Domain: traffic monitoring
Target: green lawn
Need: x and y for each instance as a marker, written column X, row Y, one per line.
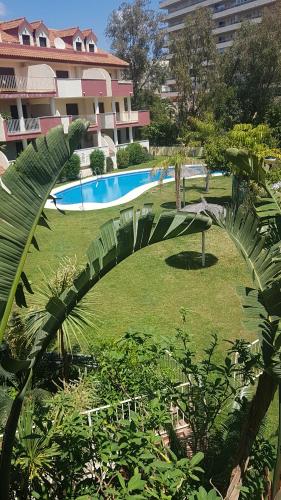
column 146, row 291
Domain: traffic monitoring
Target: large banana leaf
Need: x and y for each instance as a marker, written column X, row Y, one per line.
column 24, row 190
column 119, row 238
column 247, row 164
column 244, row 229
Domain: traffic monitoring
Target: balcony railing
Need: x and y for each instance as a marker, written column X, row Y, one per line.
column 12, row 83
column 90, row 118
column 127, row 117
column 23, row 126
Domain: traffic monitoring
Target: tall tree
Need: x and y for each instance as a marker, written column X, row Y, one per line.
column 136, row 36
column 193, row 63
column 251, row 68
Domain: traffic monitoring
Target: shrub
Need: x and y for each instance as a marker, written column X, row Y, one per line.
column 109, row 164
column 215, row 156
column 137, row 154
column 71, row 169
column 97, row 160
column 122, row 158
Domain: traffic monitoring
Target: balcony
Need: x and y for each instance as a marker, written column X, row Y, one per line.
column 127, row 117
column 24, row 126
column 92, row 119
column 24, row 85
column 106, row 120
column 122, row 88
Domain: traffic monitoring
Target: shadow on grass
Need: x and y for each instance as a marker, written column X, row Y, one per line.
column 190, row 260
column 217, row 200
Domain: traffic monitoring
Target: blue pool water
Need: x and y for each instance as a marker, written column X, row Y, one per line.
column 108, row 189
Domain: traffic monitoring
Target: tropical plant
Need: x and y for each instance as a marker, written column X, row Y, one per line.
column 119, row 238
column 97, row 161
column 122, row 158
column 262, row 315
column 24, row 190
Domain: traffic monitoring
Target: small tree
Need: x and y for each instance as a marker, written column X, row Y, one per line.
column 109, row 164
column 137, row 154
column 71, row 169
column 97, row 160
column 122, row 158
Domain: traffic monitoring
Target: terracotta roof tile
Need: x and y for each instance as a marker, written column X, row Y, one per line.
column 14, row 23
column 25, row 52
column 6, row 37
column 66, row 32
column 36, row 24
column 89, row 32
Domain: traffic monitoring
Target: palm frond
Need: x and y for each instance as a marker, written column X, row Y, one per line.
column 119, row 238
column 24, row 190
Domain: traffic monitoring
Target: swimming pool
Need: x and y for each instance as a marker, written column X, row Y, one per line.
column 111, row 190
column 108, row 190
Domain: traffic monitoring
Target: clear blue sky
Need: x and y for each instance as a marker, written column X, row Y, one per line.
column 66, row 13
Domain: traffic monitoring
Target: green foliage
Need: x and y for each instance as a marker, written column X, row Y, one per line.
column 193, row 64
column 109, row 164
column 137, row 154
column 71, row 169
column 250, row 70
column 122, row 158
column 29, row 182
column 164, row 133
column 130, row 367
column 97, row 161
column 257, row 480
column 136, row 36
column 215, row 153
column 273, row 118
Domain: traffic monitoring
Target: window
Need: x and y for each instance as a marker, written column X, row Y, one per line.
column 7, row 78
column 72, row 109
column 26, row 39
column 79, row 46
column 42, row 41
column 62, row 74
column 92, row 48
column 101, row 107
column 126, row 104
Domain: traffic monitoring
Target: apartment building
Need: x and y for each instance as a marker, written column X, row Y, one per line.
column 228, row 16
column 50, row 77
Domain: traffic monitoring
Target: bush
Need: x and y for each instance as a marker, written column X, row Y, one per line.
column 137, row 154
column 215, row 156
column 109, row 164
column 122, row 158
column 71, row 169
column 97, row 160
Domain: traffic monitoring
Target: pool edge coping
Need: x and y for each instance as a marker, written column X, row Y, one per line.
column 133, row 194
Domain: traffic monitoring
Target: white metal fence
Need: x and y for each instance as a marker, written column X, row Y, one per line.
column 16, row 126
column 13, row 83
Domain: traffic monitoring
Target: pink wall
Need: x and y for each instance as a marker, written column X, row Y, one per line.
column 121, row 89
column 144, row 118
column 49, row 122
column 94, row 88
